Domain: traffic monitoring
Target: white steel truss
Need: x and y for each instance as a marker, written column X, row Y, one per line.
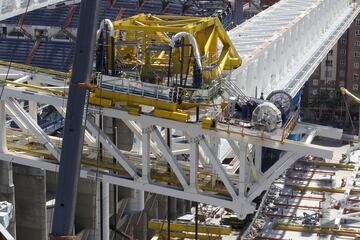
column 27, row 124
column 282, row 46
column 12, row 8
column 350, row 203
column 224, row 187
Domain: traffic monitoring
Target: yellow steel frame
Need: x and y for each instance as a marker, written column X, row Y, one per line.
column 164, row 109
column 328, row 164
column 190, row 227
column 177, row 235
column 145, row 29
column 348, row 232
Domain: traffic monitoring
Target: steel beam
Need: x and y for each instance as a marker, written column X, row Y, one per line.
column 286, row 145
column 89, row 139
column 116, row 180
column 277, row 169
column 170, row 158
column 11, row 8
column 108, row 144
column 194, row 163
column 28, row 124
column 215, row 162
column 282, row 46
column 145, row 140
column 4, row 234
column 76, row 113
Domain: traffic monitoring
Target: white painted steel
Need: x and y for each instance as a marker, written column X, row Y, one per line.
column 5, row 234
column 146, row 128
column 190, row 128
column 27, row 124
column 282, row 46
column 12, row 8
column 111, row 147
column 349, row 200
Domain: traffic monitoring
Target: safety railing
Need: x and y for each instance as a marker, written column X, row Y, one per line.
column 161, row 92
column 242, row 127
column 35, row 87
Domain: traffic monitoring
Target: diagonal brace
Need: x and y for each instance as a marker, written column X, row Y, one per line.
column 218, row 168
column 110, row 146
column 28, row 124
column 175, row 166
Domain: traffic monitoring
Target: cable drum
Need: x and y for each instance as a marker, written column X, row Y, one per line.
column 266, row 117
column 282, row 100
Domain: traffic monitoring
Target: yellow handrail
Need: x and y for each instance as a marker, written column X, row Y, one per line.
column 36, row 69
column 344, row 91
column 46, row 89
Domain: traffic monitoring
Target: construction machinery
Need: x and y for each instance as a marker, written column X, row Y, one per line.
column 213, row 90
column 176, row 63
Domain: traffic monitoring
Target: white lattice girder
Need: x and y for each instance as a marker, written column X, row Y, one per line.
column 282, row 46
column 196, row 129
column 12, row 8
column 27, row 124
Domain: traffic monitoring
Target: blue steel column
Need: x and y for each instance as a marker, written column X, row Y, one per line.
column 76, row 110
column 239, row 12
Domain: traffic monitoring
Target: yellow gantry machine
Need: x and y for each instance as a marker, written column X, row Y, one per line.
column 179, row 59
column 157, row 37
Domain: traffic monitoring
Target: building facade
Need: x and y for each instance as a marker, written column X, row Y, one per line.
column 322, row 100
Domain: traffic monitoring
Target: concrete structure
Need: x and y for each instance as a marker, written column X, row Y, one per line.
column 31, row 217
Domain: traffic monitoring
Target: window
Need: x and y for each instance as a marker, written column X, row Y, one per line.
column 356, row 65
column 355, row 87
column 328, row 74
column 343, row 52
column 357, row 21
column 314, row 92
column 341, row 84
column 343, row 41
column 317, row 71
column 329, row 63
column 357, row 43
column 342, row 73
column 315, row 82
column 342, row 62
column 357, row 33
column 356, row 77
column 331, row 52
column 356, row 54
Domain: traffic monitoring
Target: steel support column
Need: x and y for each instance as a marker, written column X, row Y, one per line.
column 239, row 12
column 194, row 164
column 146, row 155
column 75, row 120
